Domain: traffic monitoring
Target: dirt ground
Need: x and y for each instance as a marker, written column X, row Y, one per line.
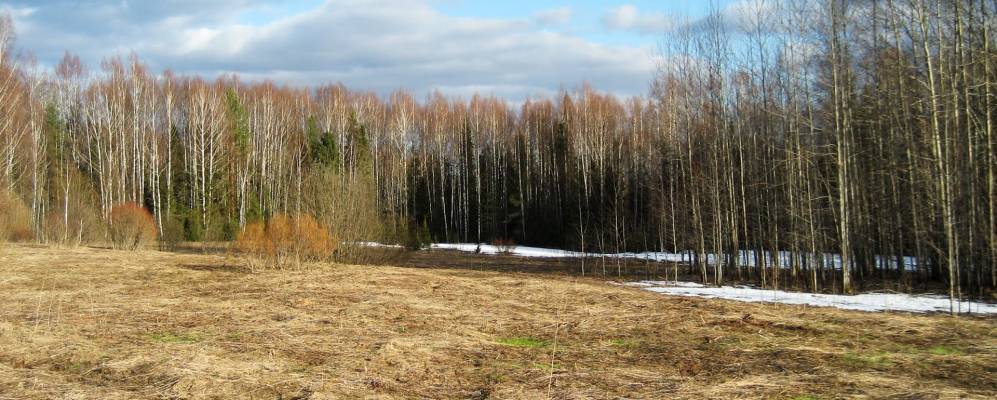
column 102, row 324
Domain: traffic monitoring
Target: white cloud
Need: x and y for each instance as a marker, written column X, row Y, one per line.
column 738, row 16
column 378, row 45
column 629, row 18
column 555, row 16
column 17, row 12
column 750, row 15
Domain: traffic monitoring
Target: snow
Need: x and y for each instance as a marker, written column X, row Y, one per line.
column 861, row 302
column 521, row 251
column 377, row 244
column 651, row 284
column 744, row 258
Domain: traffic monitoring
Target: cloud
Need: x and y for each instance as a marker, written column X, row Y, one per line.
column 378, row 45
column 17, row 12
column 750, row 15
column 739, row 16
column 555, row 16
column 629, row 18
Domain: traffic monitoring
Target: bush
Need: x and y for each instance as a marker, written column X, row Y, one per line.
column 173, row 234
column 285, row 240
column 230, row 229
column 132, row 226
column 345, row 205
column 417, row 237
column 192, row 229
column 81, row 225
column 73, row 217
column 15, row 219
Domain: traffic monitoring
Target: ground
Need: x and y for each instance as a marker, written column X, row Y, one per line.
column 92, row 323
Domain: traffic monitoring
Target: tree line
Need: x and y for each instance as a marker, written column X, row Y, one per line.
column 821, row 145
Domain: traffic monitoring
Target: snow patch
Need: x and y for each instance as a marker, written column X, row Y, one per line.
column 650, row 284
column 744, row 258
column 377, row 244
column 521, row 251
column 860, row 302
column 747, row 258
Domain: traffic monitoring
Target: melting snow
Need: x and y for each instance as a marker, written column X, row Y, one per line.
column 521, row 251
column 862, row 302
column 745, row 258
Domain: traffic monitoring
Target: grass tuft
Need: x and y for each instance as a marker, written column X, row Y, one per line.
column 876, row 361
column 524, row 342
column 176, row 338
column 946, row 351
column 628, row 343
column 546, row 367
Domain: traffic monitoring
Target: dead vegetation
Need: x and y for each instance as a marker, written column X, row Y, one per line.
column 131, row 226
column 93, row 323
column 15, row 218
column 284, row 241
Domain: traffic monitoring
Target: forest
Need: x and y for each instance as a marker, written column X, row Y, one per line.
column 835, row 143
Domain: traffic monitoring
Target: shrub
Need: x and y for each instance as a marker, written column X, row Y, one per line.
column 132, row 226
column 314, row 241
column 73, row 217
column 81, row 225
column 504, row 245
column 253, row 238
column 15, row 219
column 417, row 236
column 173, row 234
column 230, row 229
column 192, row 229
column 345, row 205
column 285, row 240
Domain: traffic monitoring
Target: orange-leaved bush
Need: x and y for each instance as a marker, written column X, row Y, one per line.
column 132, row 226
column 284, row 240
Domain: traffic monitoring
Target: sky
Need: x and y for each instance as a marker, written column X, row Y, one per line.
column 513, row 48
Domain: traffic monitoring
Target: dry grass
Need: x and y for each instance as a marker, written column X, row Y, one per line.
column 92, row 323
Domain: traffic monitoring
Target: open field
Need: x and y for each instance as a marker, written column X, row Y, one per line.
column 94, row 323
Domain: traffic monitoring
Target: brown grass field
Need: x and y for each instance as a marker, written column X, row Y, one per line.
column 102, row 324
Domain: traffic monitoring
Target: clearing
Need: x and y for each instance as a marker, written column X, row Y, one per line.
column 95, row 323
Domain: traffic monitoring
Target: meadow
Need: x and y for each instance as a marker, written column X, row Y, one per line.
column 95, row 323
